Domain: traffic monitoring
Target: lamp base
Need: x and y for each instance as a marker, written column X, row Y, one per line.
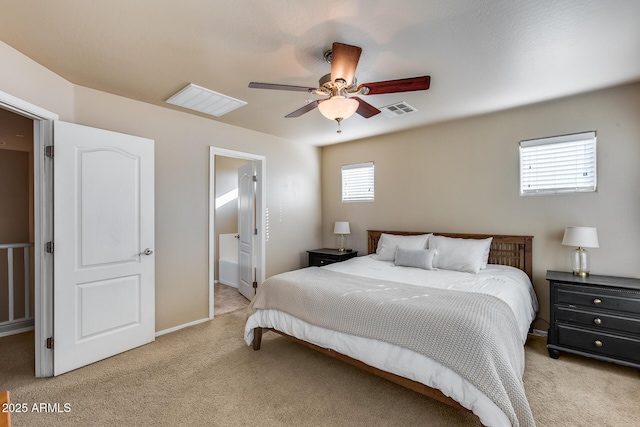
column 580, row 262
column 342, row 242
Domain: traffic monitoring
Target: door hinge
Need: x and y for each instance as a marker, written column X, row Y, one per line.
column 255, row 178
column 49, row 343
column 255, row 285
column 48, row 247
column 255, row 231
column 48, row 151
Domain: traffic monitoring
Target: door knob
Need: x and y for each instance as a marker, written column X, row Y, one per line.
column 147, row 252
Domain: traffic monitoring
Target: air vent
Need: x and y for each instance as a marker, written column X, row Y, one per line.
column 397, row 109
column 205, row 101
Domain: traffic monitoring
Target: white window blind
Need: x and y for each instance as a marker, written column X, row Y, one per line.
column 559, row 164
column 358, row 182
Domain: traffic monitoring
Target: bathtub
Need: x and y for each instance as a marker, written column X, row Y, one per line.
column 228, row 272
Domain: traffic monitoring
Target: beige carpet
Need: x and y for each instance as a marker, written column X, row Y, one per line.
column 206, row 376
column 227, row 298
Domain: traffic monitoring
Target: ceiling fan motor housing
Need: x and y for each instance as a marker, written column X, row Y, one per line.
column 339, row 87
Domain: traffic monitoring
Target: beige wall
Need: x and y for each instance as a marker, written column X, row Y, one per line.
column 14, row 196
column 31, row 82
column 182, row 181
column 463, row 176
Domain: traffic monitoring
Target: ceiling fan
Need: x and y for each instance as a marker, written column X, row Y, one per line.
column 342, row 89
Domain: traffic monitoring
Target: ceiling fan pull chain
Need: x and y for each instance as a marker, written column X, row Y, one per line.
column 339, row 120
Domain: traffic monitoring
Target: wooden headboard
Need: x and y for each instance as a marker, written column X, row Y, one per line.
column 514, row 251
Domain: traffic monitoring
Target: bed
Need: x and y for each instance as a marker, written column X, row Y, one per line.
column 443, row 314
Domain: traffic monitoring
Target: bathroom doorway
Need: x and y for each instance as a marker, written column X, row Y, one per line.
column 225, row 266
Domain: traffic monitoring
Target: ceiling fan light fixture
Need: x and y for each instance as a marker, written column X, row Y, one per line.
column 338, row 107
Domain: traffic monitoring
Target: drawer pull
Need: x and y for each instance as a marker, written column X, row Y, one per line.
column 597, row 321
column 597, row 301
column 598, row 343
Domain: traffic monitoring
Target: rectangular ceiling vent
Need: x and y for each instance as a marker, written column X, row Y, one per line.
column 397, row 109
column 205, row 101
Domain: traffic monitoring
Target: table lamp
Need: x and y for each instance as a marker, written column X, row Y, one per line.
column 341, row 228
column 581, row 237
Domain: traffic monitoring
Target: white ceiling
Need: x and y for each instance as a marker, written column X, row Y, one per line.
column 482, row 55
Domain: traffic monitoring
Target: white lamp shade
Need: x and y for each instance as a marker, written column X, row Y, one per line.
column 338, row 107
column 584, row 237
column 341, row 227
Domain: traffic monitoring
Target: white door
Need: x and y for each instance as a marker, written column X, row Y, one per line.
column 104, row 285
column 246, row 228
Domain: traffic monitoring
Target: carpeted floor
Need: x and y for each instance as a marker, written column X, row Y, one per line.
column 227, row 298
column 205, row 375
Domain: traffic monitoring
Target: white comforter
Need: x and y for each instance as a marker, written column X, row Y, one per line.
column 507, row 283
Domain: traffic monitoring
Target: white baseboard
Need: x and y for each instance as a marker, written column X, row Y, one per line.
column 177, row 328
column 539, row 333
column 16, row 327
column 16, row 331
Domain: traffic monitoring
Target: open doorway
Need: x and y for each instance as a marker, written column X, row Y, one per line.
column 17, row 349
column 16, row 224
column 27, row 128
column 228, row 269
column 227, row 273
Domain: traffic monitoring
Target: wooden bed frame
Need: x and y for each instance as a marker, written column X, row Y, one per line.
column 514, row 251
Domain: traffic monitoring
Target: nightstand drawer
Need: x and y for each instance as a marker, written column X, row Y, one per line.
column 586, row 297
column 598, row 320
column 622, row 347
column 316, row 261
column 326, row 256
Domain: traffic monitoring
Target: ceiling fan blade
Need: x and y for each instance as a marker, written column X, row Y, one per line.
column 365, row 109
column 256, row 85
column 300, row 111
column 344, row 60
column 400, row 85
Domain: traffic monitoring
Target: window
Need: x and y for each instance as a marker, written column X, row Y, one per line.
column 559, row 164
column 358, row 182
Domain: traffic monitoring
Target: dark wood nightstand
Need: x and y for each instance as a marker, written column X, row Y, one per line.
column 325, row 256
column 595, row 316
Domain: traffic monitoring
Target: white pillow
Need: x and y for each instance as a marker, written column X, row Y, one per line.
column 418, row 258
column 387, row 244
column 469, row 255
